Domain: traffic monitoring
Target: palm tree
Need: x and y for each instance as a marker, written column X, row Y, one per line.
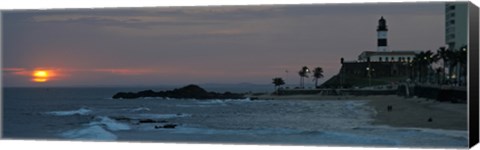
column 453, row 60
column 439, row 72
column 317, row 74
column 442, row 54
column 418, row 62
column 303, row 73
column 423, row 61
column 433, row 58
column 462, row 60
column 278, row 82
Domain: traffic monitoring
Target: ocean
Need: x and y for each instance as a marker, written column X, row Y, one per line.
column 89, row 114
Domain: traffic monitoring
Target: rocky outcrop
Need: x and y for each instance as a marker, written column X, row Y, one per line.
column 167, row 126
column 187, row 92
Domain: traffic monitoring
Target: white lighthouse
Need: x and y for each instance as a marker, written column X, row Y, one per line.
column 382, row 35
column 383, row 54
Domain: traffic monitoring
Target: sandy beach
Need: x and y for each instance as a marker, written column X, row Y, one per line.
column 405, row 112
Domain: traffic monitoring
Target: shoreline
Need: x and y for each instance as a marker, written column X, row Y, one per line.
column 405, row 112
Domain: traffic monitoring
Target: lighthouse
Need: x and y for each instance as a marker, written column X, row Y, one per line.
column 382, row 35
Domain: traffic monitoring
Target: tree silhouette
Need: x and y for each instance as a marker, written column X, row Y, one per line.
column 278, row 82
column 317, row 74
column 439, row 71
column 422, row 62
column 303, row 73
column 462, row 61
column 454, row 60
column 442, row 54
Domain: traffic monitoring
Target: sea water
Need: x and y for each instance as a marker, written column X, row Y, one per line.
column 89, row 114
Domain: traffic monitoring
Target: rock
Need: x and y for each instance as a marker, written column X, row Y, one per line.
column 167, row 126
column 188, row 92
column 151, row 121
column 147, row 121
column 121, row 118
column 125, row 95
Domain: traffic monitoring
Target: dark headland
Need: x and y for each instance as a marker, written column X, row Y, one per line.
column 187, row 92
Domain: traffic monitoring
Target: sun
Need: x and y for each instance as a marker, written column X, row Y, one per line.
column 40, row 79
column 41, row 75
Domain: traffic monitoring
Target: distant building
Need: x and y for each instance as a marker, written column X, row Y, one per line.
column 382, row 35
column 383, row 54
column 383, row 63
column 456, row 24
column 393, row 56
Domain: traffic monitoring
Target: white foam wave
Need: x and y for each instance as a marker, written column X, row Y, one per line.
column 89, row 133
column 353, row 139
column 110, row 124
column 161, row 116
column 440, row 132
column 185, row 129
column 222, row 101
column 140, row 109
column 81, row 111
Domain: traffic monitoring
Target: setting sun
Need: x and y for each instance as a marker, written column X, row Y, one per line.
column 41, row 75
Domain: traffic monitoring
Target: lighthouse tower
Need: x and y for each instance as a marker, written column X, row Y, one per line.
column 382, row 35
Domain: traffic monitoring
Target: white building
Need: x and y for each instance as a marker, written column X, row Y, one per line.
column 456, row 33
column 383, row 54
column 456, row 24
column 393, row 56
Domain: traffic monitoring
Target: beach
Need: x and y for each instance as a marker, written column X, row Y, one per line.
column 405, row 112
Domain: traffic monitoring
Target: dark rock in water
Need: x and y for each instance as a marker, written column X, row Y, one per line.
column 126, row 95
column 167, row 126
column 188, row 92
column 430, row 119
column 121, row 118
column 151, row 121
column 147, row 121
column 170, row 126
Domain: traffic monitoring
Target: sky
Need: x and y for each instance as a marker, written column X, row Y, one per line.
column 217, row 44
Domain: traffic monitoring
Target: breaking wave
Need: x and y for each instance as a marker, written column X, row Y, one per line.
column 140, row 109
column 160, row 116
column 110, row 124
column 90, row 133
column 81, row 111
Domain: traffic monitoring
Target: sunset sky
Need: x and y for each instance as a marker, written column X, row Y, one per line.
column 182, row 45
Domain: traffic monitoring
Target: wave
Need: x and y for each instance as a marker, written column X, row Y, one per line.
column 344, row 138
column 98, row 129
column 405, row 130
column 217, row 102
column 81, row 111
column 110, row 124
column 90, row 133
column 140, row 109
column 160, row 116
column 185, row 129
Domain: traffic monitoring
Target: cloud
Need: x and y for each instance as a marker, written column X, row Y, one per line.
column 184, row 32
column 68, row 71
column 17, row 71
column 124, row 71
column 236, row 31
column 208, row 10
column 103, row 18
